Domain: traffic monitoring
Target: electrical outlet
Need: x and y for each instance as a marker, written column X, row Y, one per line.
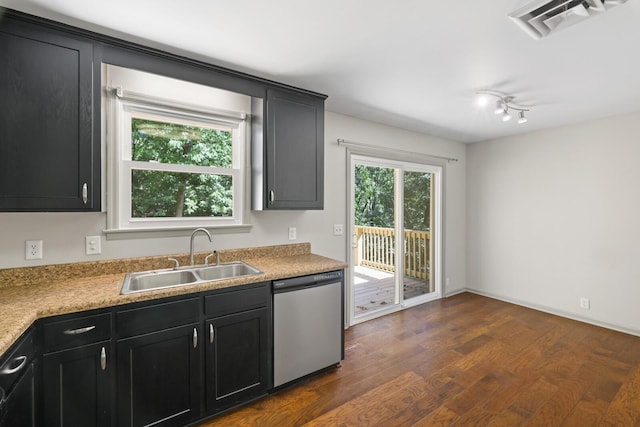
column 33, row 249
column 292, row 233
column 584, row 303
column 338, row 230
column 92, row 245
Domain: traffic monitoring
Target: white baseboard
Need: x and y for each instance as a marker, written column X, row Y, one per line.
column 550, row 310
column 456, row 292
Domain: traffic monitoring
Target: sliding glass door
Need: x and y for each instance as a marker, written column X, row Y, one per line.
column 417, row 233
column 394, row 228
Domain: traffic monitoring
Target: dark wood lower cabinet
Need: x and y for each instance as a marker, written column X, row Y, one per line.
column 159, row 376
column 20, row 407
column 77, row 385
column 167, row 362
column 237, row 358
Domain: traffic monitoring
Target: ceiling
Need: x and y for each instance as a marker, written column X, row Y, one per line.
column 414, row 64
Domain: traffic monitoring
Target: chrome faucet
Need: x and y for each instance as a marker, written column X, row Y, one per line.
column 191, row 260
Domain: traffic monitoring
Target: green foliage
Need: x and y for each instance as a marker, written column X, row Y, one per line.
column 374, row 198
column 176, row 194
column 417, row 200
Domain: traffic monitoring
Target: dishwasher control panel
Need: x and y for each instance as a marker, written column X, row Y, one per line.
column 310, row 280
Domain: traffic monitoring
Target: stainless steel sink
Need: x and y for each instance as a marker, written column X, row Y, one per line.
column 225, row 271
column 162, row 279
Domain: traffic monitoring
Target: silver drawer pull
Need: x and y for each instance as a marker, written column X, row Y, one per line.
column 272, row 196
column 212, row 333
column 21, row 360
column 79, row 330
column 195, row 337
column 84, row 193
column 103, row 359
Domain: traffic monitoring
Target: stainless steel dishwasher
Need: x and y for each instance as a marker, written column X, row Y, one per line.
column 308, row 325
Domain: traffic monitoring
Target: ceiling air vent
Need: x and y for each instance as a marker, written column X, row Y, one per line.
column 543, row 17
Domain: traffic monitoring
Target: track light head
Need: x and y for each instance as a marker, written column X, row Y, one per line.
column 500, row 106
column 521, row 118
column 505, row 115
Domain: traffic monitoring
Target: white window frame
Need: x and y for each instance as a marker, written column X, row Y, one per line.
column 122, row 107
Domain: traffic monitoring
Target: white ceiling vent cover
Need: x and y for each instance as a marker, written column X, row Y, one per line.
column 543, row 17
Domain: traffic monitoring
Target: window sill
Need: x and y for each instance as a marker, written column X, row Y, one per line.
column 141, row 233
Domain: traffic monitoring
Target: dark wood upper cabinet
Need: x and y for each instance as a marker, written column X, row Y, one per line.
column 47, row 153
column 289, row 170
column 50, row 114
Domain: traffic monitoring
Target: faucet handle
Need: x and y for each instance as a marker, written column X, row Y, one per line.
column 206, row 260
column 177, row 264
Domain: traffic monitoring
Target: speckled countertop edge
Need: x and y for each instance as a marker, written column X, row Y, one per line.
column 22, row 305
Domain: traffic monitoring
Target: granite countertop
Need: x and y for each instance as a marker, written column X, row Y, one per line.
column 31, row 293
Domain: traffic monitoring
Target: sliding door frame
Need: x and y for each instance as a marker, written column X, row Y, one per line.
column 403, row 163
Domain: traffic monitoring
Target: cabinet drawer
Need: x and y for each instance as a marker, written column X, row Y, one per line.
column 237, row 300
column 17, row 361
column 76, row 332
column 157, row 316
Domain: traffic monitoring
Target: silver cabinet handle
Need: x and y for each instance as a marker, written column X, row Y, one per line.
column 212, row 333
column 103, row 359
column 79, row 330
column 84, row 193
column 195, row 337
column 22, row 360
column 272, row 196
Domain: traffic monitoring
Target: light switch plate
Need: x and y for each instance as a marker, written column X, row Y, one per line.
column 292, row 233
column 93, row 245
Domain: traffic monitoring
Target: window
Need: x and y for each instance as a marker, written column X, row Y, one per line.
column 173, row 164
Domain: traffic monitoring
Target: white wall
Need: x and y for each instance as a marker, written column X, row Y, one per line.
column 555, row 215
column 64, row 233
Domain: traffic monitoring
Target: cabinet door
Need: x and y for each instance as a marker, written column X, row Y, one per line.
column 159, row 377
column 77, row 386
column 46, row 147
column 294, row 154
column 21, row 402
column 237, row 358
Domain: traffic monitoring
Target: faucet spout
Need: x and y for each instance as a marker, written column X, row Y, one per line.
column 193, row 235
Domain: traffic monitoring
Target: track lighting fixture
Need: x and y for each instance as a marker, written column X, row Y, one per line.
column 504, row 104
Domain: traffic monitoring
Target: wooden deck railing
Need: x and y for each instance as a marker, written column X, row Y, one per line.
column 376, row 249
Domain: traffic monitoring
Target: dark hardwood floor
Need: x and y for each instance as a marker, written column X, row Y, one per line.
column 466, row 360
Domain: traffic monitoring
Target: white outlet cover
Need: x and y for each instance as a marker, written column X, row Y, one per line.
column 33, row 249
column 292, row 233
column 338, row 230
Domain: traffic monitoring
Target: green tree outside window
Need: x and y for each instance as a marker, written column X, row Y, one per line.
column 180, row 194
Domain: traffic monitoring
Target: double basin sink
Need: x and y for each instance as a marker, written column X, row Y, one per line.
column 169, row 278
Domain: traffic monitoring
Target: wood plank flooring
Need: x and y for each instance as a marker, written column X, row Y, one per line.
column 466, row 360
